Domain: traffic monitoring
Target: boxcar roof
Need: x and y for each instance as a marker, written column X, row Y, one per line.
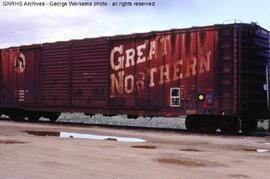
column 137, row 35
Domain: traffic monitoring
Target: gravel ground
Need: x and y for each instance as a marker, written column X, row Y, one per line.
column 176, row 123
column 35, row 151
column 123, row 120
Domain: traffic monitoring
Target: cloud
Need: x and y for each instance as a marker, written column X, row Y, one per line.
column 28, row 25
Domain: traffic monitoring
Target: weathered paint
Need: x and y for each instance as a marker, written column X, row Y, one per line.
column 20, row 76
column 141, row 74
column 75, row 73
column 144, row 70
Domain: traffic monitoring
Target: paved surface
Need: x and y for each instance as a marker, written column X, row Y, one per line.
column 164, row 155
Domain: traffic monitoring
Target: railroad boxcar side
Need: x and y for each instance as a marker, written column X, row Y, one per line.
column 214, row 75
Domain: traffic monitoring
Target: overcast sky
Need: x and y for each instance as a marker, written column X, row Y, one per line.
column 28, row 25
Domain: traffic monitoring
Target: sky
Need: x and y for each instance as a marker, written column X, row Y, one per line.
column 22, row 25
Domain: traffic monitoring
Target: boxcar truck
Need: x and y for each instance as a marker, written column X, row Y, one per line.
column 217, row 76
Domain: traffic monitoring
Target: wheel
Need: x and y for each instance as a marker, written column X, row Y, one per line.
column 209, row 124
column 229, row 125
column 33, row 116
column 54, row 116
column 13, row 116
column 192, row 124
column 16, row 116
column 248, row 125
column 201, row 123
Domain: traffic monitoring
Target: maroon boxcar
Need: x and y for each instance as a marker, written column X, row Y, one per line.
column 215, row 75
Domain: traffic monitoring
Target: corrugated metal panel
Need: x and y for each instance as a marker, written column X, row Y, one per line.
column 75, row 73
column 90, row 73
column 55, row 74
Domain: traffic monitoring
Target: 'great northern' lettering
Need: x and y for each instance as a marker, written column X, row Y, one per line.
column 165, row 63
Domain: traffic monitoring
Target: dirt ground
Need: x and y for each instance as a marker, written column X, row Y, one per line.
column 164, row 155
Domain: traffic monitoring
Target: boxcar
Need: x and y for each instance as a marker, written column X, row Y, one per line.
column 215, row 75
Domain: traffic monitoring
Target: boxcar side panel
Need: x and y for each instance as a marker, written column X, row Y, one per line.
column 55, row 79
column 28, row 80
column 4, row 98
column 144, row 72
column 206, row 74
column 89, row 71
column 20, row 76
column 9, row 98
